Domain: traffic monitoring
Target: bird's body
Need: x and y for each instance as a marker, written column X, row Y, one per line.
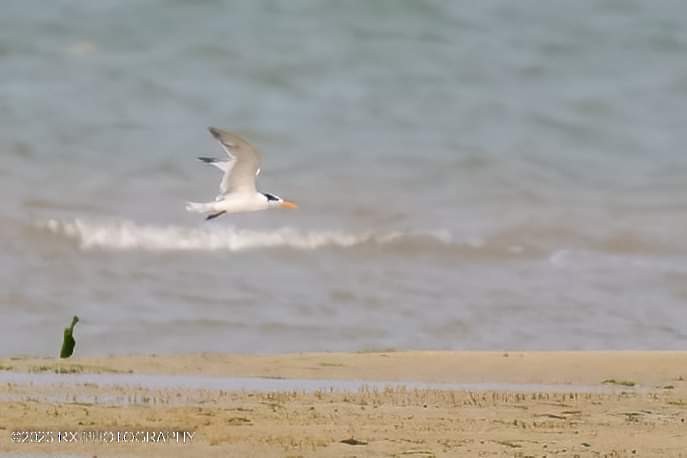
column 238, row 192
column 231, row 203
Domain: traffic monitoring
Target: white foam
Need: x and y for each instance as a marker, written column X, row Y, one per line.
column 127, row 235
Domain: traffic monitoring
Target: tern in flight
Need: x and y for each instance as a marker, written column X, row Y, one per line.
column 237, row 188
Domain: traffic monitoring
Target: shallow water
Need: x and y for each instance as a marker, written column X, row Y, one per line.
column 258, row 384
column 470, row 176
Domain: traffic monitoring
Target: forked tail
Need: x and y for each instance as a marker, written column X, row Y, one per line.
column 196, row 207
column 210, row 207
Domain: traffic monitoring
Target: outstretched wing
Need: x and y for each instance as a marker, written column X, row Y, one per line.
column 243, row 166
column 220, row 164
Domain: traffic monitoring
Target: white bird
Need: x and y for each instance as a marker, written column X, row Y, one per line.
column 237, row 188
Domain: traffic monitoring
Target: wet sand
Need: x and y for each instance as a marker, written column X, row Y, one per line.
column 640, row 410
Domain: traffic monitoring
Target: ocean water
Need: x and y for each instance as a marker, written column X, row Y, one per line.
column 471, row 175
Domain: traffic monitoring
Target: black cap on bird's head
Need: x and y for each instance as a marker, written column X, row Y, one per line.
column 274, row 200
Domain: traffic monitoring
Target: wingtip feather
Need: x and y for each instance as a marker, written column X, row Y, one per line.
column 215, row 132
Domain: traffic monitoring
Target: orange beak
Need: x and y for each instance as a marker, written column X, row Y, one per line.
column 288, row 204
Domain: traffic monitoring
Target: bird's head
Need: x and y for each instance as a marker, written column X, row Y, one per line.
column 274, row 201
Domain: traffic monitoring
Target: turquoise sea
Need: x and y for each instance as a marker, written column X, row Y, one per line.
column 471, row 175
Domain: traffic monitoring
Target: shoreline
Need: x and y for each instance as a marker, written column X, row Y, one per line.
column 453, row 367
column 581, row 403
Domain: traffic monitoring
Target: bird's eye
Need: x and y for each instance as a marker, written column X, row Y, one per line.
column 271, row 197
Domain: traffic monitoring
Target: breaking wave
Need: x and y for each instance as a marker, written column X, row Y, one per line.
column 127, row 235
column 551, row 243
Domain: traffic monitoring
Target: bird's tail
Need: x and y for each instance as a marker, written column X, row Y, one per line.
column 210, row 207
column 196, row 207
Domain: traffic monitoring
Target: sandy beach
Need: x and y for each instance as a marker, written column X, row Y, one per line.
column 549, row 404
